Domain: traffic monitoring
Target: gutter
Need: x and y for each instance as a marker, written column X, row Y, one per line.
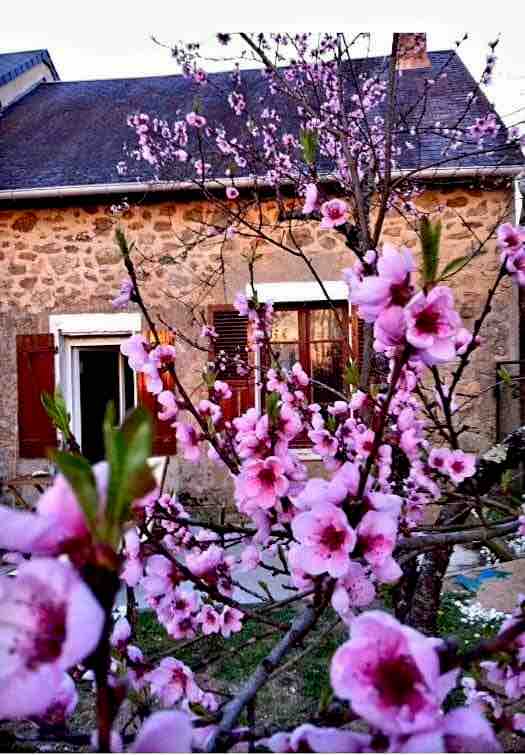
column 145, row 187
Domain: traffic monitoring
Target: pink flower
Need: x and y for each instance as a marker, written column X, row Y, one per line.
column 231, row 192
column 310, row 199
column 463, row 340
column 390, row 329
column 210, row 620
column 230, row 621
column 250, row 558
column 125, row 294
column 240, row 303
column 164, row 731
column 376, row 536
column 221, row 390
column 193, row 119
column 208, row 332
column 511, row 238
column 326, row 540
column 263, row 481
column 334, row 212
column 189, row 440
column 515, row 266
column 310, row 738
column 209, row 409
column 353, row 590
column 133, row 569
column 390, row 674
column 62, row 706
column 49, row 622
column 391, row 288
column 432, row 324
column 460, row 465
column 120, row 634
column 438, row 458
column 172, row 681
column 161, row 576
column 170, row 409
column 324, row 443
column 136, row 349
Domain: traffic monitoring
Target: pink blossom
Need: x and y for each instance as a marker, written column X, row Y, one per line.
column 136, row 349
column 62, row 706
column 49, row 622
column 334, row 213
column 169, row 403
column 354, row 590
column 221, row 390
column 390, row 329
column 230, row 621
column 310, row 199
column 432, row 324
column 515, row 266
column 390, row 288
column 324, row 443
column 310, row 738
column 438, row 459
column 208, row 331
column 210, row 620
column 250, row 558
column 263, row 481
column 161, row 576
column 172, row 681
column 209, row 409
column 193, row 119
column 511, row 238
column 326, row 539
column 463, row 340
column 376, row 536
column 240, row 303
column 460, row 465
column 125, row 294
column 231, row 192
column 120, row 634
column 133, row 569
column 189, row 440
column 390, row 674
column 164, row 731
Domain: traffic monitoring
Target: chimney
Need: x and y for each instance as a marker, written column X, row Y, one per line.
column 412, row 51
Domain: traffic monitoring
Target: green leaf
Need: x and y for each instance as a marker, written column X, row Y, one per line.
column 309, row 142
column 127, row 451
column 351, row 374
column 454, row 266
column 56, row 409
column 430, row 240
column 272, row 405
column 79, row 474
column 506, row 480
column 505, row 376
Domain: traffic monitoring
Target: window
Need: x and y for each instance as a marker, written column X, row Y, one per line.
column 316, row 335
column 99, row 374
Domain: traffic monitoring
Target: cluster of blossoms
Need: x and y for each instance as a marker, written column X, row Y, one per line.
column 511, row 241
column 148, row 359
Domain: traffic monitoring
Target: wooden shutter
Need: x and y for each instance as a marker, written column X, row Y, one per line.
column 36, row 373
column 357, row 338
column 232, row 330
column 164, row 441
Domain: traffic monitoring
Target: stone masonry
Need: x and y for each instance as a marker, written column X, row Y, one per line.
column 63, row 259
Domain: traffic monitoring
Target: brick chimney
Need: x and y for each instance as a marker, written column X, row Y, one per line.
column 412, row 51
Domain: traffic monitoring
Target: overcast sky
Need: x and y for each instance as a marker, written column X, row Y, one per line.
column 112, row 38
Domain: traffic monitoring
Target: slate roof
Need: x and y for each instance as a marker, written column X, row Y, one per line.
column 12, row 64
column 73, row 133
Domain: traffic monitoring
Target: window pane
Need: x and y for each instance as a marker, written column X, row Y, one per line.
column 99, row 384
column 287, row 354
column 324, row 325
column 285, row 325
column 327, row 368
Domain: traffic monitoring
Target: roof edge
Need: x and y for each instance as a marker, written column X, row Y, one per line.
column 135, row 187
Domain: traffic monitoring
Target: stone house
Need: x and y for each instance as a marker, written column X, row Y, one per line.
column 60, row 143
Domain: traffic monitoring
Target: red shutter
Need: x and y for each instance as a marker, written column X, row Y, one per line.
column 36, row 373
column 232, row 330
column 164, row 441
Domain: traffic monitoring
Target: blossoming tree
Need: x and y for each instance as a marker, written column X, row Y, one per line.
column 341, row 538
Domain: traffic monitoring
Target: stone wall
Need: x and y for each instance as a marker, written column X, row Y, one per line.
column 64, row 259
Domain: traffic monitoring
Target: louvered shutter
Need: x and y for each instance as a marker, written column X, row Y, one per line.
column 232, row 330
column 164, row 441
column 36, row 373
column 357, row 338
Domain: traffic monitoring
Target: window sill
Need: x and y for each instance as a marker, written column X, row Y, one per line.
column 306, row 454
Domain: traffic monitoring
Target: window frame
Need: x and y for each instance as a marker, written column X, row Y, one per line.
column 287, row 294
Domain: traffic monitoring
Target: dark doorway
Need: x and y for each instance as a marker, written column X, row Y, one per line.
column 99, row 384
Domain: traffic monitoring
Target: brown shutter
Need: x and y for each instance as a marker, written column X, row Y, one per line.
column 164, row 440
column 232, row 330
column 36, row 373
column 357, row 338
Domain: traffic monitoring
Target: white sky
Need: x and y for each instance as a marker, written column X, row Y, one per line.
column 92, row 39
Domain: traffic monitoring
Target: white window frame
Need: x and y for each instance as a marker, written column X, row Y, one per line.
column 92, row 329
column 288, row 293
